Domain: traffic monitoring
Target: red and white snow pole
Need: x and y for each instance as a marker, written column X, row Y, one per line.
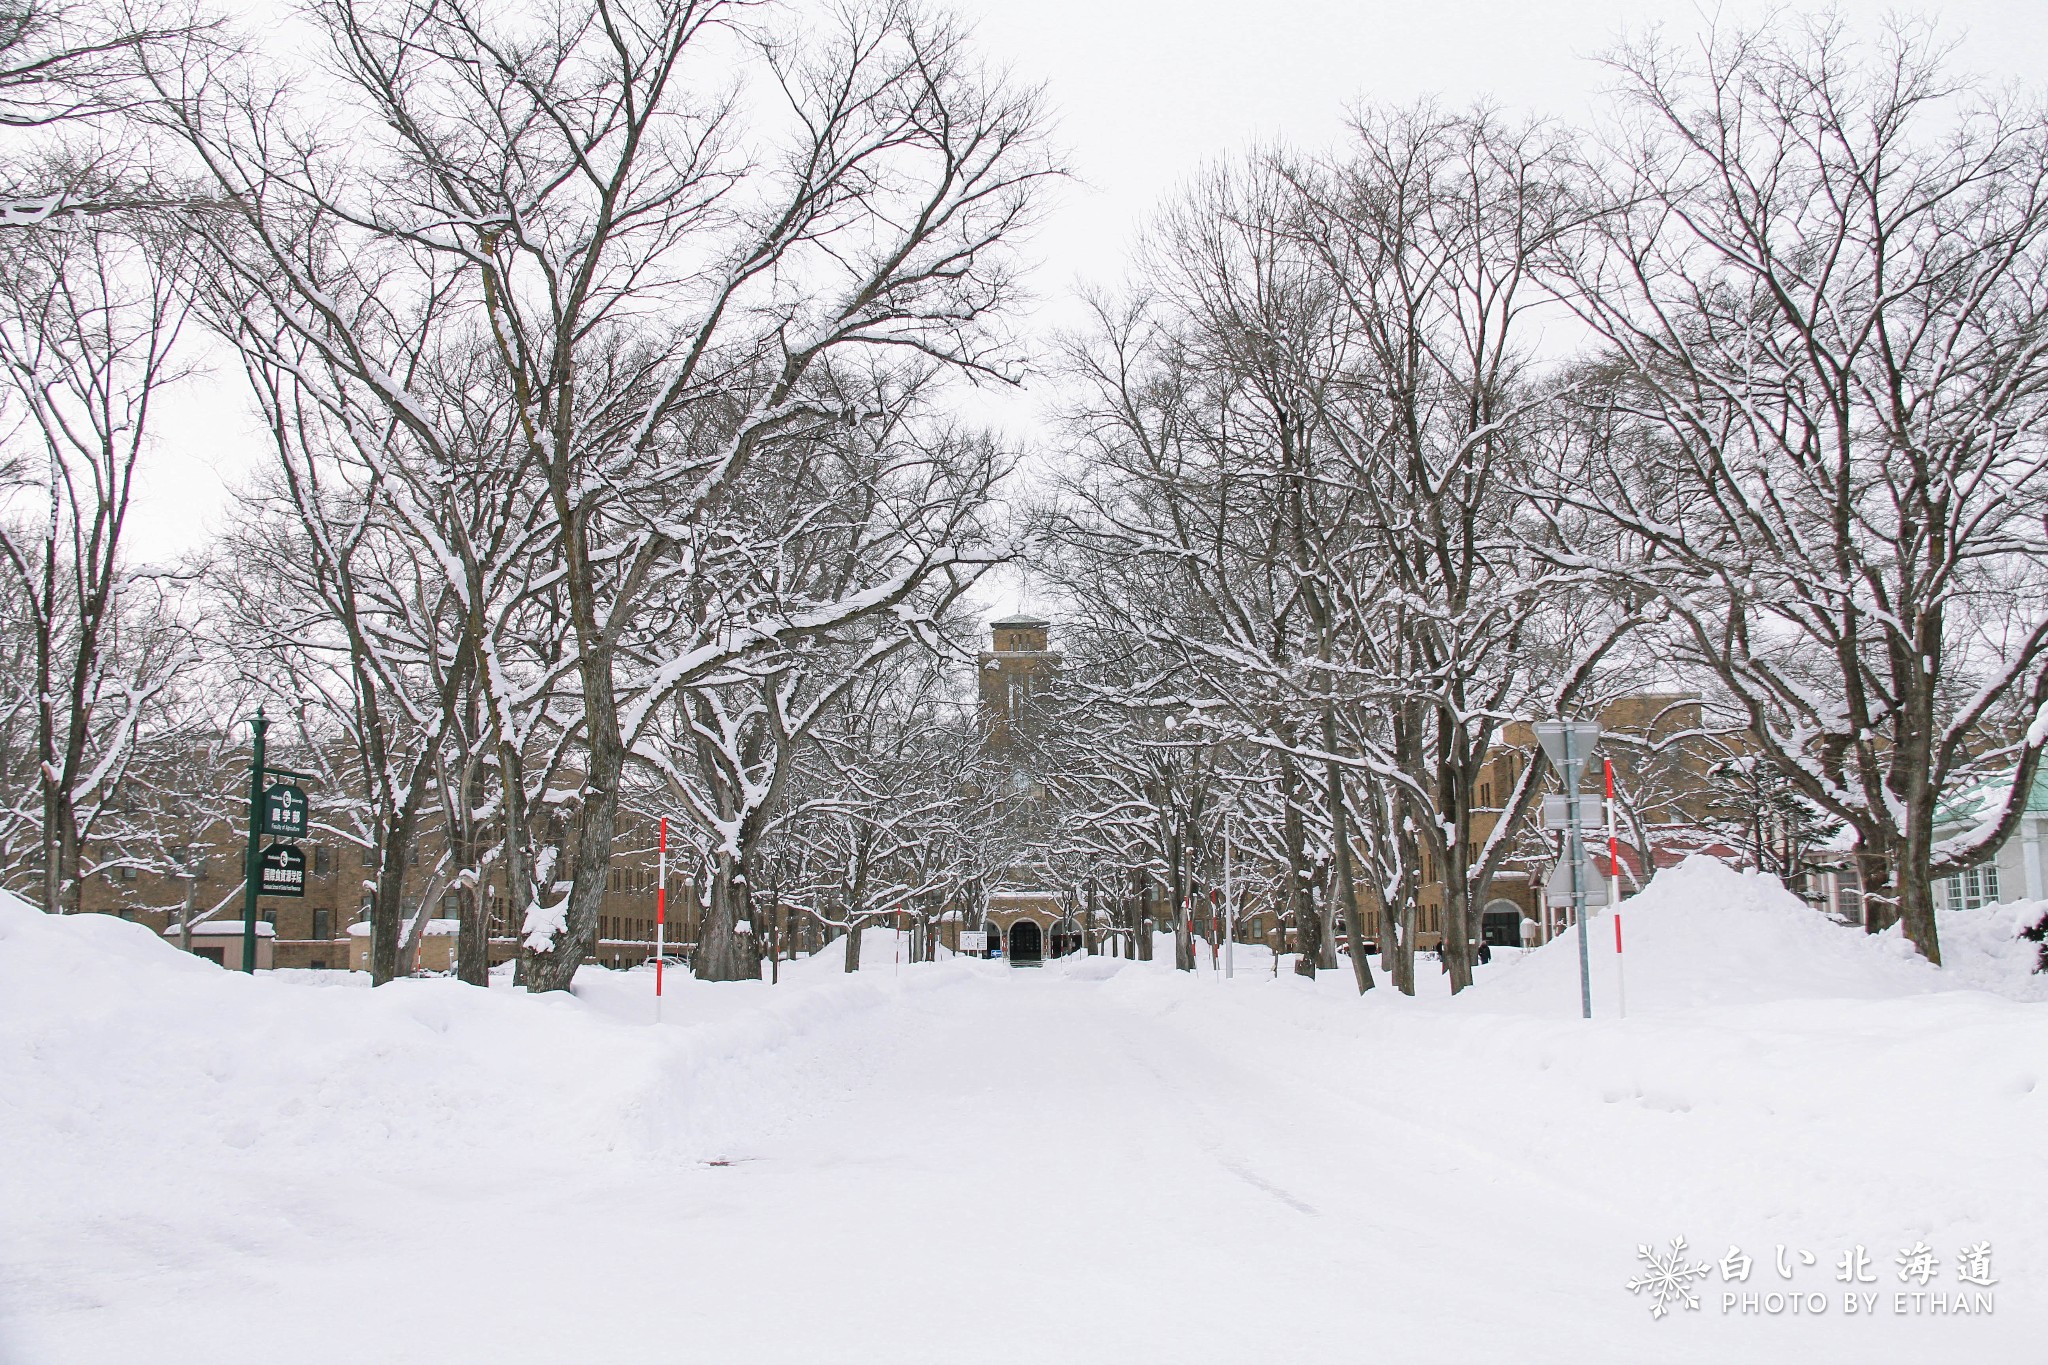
column 1614, row 895
column 660, row 914
column 1620, row 981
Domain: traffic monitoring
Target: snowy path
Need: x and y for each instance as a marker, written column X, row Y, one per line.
column 969, row 1164
column 1003, row 1167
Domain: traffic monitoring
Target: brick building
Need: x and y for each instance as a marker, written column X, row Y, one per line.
column 316, row 931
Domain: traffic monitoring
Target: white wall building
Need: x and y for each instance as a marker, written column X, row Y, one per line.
column 2019, row 870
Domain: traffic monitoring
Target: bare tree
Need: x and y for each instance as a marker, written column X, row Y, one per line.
column 1429, row 228
column 1197, row 469
column 1822, row 279
column 663, row 284
column 89, row 318
column 881, row 525
column 62, row 60
column 336, row 618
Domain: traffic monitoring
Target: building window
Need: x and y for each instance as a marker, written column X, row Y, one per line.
column 318, row 964
column 322, row 928
column 1972, row 887
column 321, row 865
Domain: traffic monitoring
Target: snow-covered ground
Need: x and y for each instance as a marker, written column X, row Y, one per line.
column 964, row 1163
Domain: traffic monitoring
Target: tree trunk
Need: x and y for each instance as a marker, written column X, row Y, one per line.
column 1915, row 876
column 519, row 891
column 1347, row 885
column 1326, row 925
column 553, row 967
column 1141, row 923
column 853, row 945
column 473, row 942
column 1457, row 941
column 724, row 951
column 387, row 905
column 1874, row 891
column 409, row 950
column 473, row 930
column 1307, row 928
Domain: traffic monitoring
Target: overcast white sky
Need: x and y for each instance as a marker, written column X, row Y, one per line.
column 1148, row 91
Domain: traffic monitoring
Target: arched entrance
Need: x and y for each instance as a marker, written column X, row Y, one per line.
column 1501, row 924
column 1066, row 937
column 995, row 937
column 1025, row 947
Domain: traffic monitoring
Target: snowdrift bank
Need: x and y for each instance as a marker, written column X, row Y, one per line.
column 160, row 1111
column 966, row 1162
column 1703, row 934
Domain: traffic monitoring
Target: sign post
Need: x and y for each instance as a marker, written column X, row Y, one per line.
column 252, row 867
column 1569, row 743
column 281, row 809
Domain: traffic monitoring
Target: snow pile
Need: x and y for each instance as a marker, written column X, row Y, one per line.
column 369, row 1078
column 1983, row 949
column 168, row 1102
column 429, row 1171
column 1704, row 934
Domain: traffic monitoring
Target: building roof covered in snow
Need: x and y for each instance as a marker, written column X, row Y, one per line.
column 222, row 926
column 1982, row 800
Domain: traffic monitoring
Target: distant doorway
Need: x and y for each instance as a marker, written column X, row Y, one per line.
column 1025, row 946
column 1066, row 938
column 1501, row 924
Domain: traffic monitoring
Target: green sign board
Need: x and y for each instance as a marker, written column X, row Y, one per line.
column 282, row 871
column 285, row 811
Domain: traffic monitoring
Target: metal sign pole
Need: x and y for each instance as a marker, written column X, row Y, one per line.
column 252, row 869
column 1577, row 853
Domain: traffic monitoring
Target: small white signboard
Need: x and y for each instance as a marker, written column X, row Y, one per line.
column 975, row 941
column 1559, row 889
column 1557, row 811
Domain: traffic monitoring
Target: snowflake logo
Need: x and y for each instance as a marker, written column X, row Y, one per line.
column 1667, row 1278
